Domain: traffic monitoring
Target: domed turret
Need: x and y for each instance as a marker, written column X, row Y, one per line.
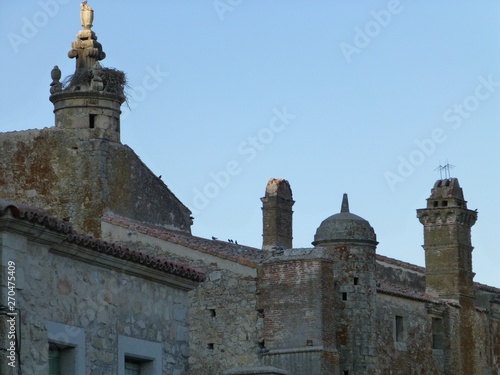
column 343, row 227
column 351, row 243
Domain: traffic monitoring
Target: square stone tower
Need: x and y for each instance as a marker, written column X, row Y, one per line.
column 79, row 170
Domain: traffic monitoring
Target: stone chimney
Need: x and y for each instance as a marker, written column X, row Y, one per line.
column 277, row 215
column 447, row 241
column 89, row 103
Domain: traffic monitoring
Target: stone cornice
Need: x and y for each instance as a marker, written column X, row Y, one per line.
column 447, row 216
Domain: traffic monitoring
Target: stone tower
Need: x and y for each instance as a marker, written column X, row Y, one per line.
column 277, row 214
column 351, row 243
column 448, row 266
column 90, row 102
column 78, row 170
column 447, row 241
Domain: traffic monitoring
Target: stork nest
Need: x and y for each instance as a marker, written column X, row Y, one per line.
column 114, row 81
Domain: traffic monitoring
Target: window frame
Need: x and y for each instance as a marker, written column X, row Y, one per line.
column 70, row 341
column 147, row 353
column 399, row 331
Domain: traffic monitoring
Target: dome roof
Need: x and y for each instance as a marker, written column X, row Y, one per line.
column 344, row 226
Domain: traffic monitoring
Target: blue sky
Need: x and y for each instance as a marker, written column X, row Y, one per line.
column 365, row 97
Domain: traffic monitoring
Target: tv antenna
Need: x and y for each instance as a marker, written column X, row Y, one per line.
column 445, row 170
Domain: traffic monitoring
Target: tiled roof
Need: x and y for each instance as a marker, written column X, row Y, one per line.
column 245, row 255
column 487, row 288
column 398, row 291
column 421, row 269
column 400, row 263
column 57, row 225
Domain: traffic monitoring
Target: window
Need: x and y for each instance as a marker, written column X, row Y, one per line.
column 132, row 368
column 400, row 330
column 399, row 333
column 139, row 357
column 344, row 296
column 437, row 334
column 92, row 121
column 66, row 349
column 54, row 360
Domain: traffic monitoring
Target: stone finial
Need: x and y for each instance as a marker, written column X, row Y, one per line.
column 345, row 204
column 96, row 83
column 87, row 50
column 56, row 85
column 86, row 15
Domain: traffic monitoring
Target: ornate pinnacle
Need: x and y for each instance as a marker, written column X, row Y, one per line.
column 87, row 50
column 86, row 15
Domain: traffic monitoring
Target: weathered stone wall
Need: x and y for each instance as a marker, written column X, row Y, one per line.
column 225, row 326
column 297, row 301
column 104, row 302
column 398, row 275
column 414, row 353
column 83, row 179
column 136, row 193
column 356, row 297
column 494, row 329
column 50, row 170
column 291, row 299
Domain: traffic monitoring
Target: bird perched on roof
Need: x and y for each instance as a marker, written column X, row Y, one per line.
column 214, row 238
column 230, row 241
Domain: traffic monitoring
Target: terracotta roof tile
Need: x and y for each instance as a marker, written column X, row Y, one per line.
column 52, row 223
column 400, row 263
column 421, row 269
column 487, row 288
column 398, row 291
column 245, row 255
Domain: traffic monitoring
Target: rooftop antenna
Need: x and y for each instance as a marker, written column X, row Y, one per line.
column 445, row 170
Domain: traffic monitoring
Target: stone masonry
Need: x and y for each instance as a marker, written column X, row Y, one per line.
column 66, row 279
column 337, row 308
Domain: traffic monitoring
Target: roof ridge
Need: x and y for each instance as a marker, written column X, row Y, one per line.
column 245, row 255
column 400, row 263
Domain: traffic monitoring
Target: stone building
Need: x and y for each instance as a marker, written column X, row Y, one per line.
column 73, row 304
column 77, row 170
column 336, row 308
